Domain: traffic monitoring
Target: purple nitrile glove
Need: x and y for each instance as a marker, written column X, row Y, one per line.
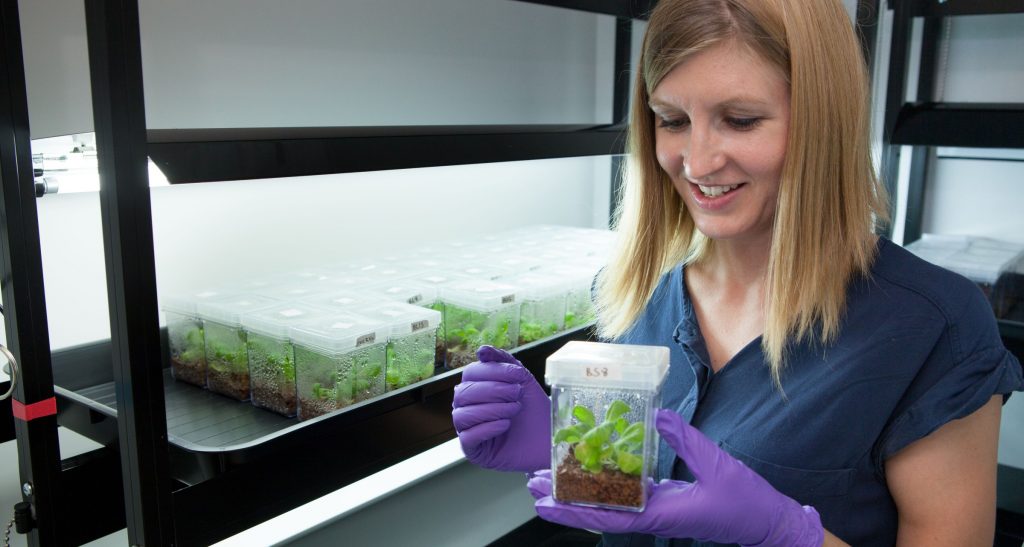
column 727, row 503
column 502, row 415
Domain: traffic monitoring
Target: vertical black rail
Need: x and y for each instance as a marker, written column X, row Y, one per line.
column 895, row 95
column 867, row 18
column 115, row 63
column 24, row 302
column 620, row 97
column 931, row 37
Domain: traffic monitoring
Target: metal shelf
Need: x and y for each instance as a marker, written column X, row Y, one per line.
column 633, row 9
column 226, row 487
column 943, row 8
column 975, row 125
column 205, row 155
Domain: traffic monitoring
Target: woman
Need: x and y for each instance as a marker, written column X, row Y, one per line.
column 859, row 386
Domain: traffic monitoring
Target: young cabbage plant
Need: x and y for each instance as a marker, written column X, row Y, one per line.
column 615, row 443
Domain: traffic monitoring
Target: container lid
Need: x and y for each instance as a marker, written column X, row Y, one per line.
column 292, row 291
column 608, row 365
column 405, row 319
column 480, row 295
column 229, row 309
column 344, row 301
column 538, row 286
column 276, row 320
column 518, row 264
column 485, row 273
column 340, row 332
column 577, row 277
column 185, row 303
column 339, row 280
column 418, row 294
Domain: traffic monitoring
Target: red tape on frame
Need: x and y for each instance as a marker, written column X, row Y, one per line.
column 27, row 413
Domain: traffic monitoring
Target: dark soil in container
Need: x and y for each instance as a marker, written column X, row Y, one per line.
column 232, row 384
column 193, row 372
column 272, row 398
column 459, row 359
column 609, row 487
column 439, row 353
column 311, row 408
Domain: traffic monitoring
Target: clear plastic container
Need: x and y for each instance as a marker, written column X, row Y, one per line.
column 435, row 281
column 476, row 313
column 407, row 291
column 542, row 306
column 603, row 403
column 339, row 360
column 996, row 266
column 185, row 337
column 227, row 357
column 271, row 357
column 579, row 307
column 411, row 342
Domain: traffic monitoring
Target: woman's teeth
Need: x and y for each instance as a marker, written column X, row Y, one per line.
column 715, row 191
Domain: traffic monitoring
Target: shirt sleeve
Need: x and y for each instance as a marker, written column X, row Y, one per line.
column 964, row 372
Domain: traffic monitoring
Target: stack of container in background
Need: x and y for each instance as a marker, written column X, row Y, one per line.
column 311, row 341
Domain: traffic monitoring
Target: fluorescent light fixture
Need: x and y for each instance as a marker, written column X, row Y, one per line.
column 68, row 164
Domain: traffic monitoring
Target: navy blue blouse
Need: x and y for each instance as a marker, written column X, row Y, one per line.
column 918, row 347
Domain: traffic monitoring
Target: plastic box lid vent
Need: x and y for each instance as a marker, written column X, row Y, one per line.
column 597, row 364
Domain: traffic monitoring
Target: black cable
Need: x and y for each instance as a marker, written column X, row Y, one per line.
column 7, row 533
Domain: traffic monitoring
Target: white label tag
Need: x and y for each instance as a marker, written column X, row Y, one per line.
column 290, row 312
column 416, row 299
column 366, row 339
column 603, row 371
column 508, row 299
column 420, row 325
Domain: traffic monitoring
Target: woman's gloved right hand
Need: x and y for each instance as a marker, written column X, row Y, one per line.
column 502, row 415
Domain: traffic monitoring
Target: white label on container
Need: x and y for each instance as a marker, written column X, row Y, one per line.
column 415, row 299
column 342, row 325
column 420, row 325
column 391, row 313
column 366, row 339
column 603, row 372
column 207, row 294
column 508, row 299
column 343, row 300
column 435, row 278
column 292, row 312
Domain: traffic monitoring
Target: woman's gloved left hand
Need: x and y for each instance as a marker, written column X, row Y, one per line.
column 727, row 503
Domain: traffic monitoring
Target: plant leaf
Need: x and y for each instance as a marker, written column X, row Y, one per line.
column 584, row 415
column 634, row 434
column 597, row 436
column 616, row 410
column 568, row 435
column 620, row 426
column 629, row 463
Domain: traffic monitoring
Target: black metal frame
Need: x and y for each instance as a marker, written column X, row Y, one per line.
column 21, row 275
column 158, row 508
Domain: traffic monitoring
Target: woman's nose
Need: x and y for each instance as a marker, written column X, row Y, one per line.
column 702, row 156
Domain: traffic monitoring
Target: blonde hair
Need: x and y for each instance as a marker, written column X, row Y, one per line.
column 829, row 196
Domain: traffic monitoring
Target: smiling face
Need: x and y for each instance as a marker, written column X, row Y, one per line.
column 721, row 122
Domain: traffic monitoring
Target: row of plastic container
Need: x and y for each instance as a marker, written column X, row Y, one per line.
column 997, row 267
column 309, row 342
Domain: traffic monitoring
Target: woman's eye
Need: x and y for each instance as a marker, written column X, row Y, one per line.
column 674, row 124
column 743, row 124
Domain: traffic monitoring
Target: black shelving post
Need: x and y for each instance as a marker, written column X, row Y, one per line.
column 115, row 65
column 24, row 303
column 895, row 97
column 620, row 97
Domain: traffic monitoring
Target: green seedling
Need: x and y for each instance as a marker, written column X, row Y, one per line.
column 469, row 329
column 615, row 443
column 530, row 331
column 194, row 345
